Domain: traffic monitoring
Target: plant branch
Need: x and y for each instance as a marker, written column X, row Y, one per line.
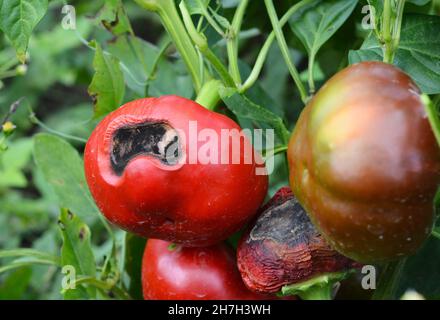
column 33, row 118
column 175, row 28
column 103, row 285
column 391, row 27
column 211, row 21
column 311, row 80
column 202, row 44
column 232, row 41
column 398, row 23
column 262, row 55
column 284, row 49
column 273, row 152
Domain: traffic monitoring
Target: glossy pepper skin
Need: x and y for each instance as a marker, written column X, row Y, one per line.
column 185, row 273
column 172, row 198
column 365, row 164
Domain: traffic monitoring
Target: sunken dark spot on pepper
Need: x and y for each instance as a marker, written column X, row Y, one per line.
column 156, row 139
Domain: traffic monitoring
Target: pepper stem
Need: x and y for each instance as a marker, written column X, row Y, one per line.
column 209, row 95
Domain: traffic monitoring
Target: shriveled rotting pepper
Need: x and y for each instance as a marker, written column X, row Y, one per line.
column 283, row 251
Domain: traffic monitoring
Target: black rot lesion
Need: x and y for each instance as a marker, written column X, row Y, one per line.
column 286, row 223
column 156, row 139
column 82, row 233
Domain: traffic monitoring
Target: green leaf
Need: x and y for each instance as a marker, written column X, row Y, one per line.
column 316, row 23
column 418, row 2
column 389, row 280
column 418, row 53
column 378, row 6
column 74, row 121
column 63, row 169
column 30, row 253
column 197, row 6
column 15, row 285
column 134, row 250
column 107, row 88
column 12, row 163
column 17, row 20
column 138, row 58
column 114, row 18
column 242, row 107
column 222, row 21
column 421, row 271
column 436, row 231
column 77, row 253
column 52, row 50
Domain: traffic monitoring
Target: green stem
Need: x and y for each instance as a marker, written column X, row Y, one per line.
column 274, row 151
column 159, row 57
column 219, row 67
column 433, row 116
column 37, row 121
column 24, row 252
column 175, row 28
column 284, row 49
column 209, row 95
column 391, row 27
column 20, row 264
column 386, row 31
column 253, row 77
column 389, row 280
column 103, row 285
column 210, row 20
column 311, row 79
column 398, row 24
column 202, row 44
column 232, row 41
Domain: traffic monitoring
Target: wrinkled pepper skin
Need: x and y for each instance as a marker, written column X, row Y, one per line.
column 365, row 164
column 283, row 247
column 185, row 273
column 195, row 204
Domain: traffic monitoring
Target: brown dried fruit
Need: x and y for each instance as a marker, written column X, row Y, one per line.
column 283, row 247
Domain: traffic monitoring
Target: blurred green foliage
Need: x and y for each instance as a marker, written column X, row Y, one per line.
column 53, row 90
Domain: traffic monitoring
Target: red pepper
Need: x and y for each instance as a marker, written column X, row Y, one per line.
column 144, row 170
column 173, row 272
